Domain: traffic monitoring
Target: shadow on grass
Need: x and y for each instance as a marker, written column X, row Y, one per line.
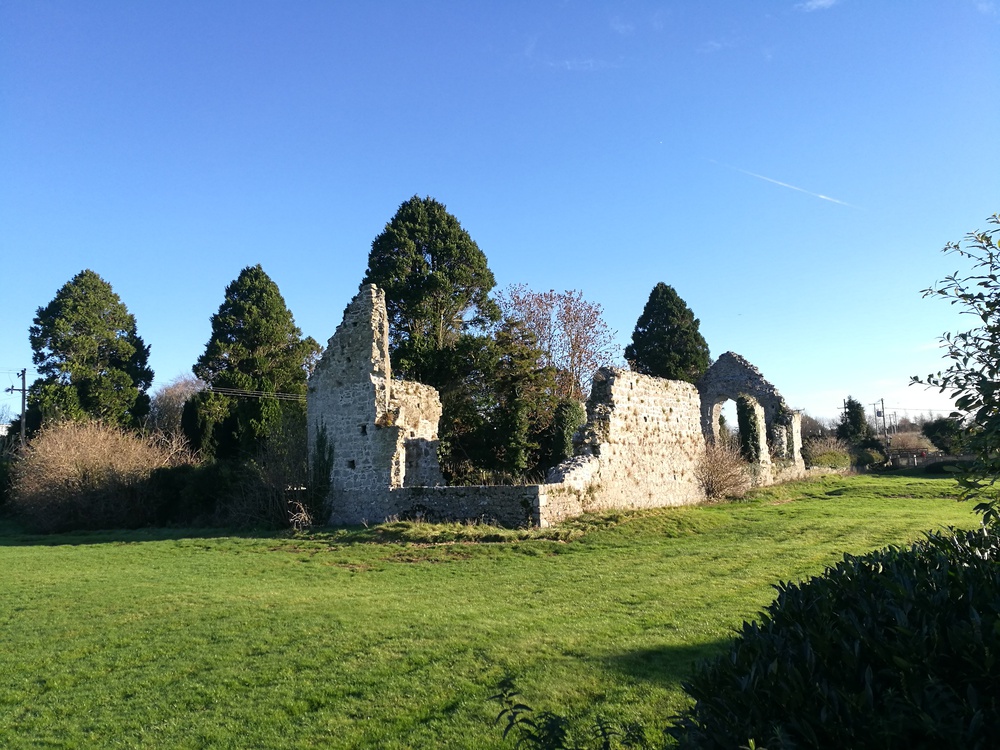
column 398, row 532
column 13, row 534
column 667, row 664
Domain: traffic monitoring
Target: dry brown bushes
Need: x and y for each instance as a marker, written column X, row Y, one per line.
column 911, row 441
column 87, row 475
column 723, row 472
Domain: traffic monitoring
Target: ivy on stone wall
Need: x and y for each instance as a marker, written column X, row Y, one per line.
column 320, row 468
column 746, row 417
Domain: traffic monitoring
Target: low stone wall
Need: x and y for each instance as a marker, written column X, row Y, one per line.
column 787, row 471
column 513, row 507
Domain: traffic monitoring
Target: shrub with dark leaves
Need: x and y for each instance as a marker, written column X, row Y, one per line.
column 898, row 648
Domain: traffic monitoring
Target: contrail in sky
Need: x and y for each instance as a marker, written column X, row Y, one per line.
column 784, row 184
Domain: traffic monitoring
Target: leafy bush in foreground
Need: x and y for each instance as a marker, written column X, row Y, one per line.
column 894, row 649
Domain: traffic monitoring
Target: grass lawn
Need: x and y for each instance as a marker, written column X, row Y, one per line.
column 394, row 637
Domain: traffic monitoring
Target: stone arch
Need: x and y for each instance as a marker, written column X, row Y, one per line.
column 780, row 431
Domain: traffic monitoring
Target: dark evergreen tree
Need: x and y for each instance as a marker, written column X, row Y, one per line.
column 557, row 444
column 91, row 361
column 525, row 399
column 947, row 433
column 498, row 405
column 497, row 390
column 436, row 283
column 666, row 342
column 854, row 427
column 255, row 350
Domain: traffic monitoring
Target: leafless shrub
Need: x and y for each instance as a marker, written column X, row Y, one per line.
column 570, row 331
column 723, row 472
column 167, row 405
column 911, row 441
column 299, row 516
column 87, row 475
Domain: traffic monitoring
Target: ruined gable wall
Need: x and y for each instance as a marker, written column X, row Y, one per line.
column 378, row 428
column 641, row 449
column 732, row 375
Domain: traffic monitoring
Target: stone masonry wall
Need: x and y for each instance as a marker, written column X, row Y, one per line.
column 780, row 428
column 640, row 448
column 383, row 432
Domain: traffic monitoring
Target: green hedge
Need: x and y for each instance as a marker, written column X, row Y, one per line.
column 831, row 460
column 895, row 649
column 948, row 466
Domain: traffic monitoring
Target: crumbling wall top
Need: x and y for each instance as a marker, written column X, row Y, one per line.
column 731, row 376
column 359, row 349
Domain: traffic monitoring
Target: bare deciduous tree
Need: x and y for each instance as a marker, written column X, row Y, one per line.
column 570, row 331
column 167, row 404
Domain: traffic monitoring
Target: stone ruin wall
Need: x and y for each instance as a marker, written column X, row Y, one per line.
column 779, row 427
column 382, row 432
column 640, row 448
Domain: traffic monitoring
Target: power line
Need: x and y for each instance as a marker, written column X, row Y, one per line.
column 240, row 393
column 922, row 411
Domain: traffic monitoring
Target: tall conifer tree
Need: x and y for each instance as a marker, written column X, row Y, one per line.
column 666, row 342
column 255, row 349
column 436, row 282
column 853, row 427
column 91, row 360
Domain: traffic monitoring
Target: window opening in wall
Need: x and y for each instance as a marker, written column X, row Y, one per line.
column 729, row 426
column 351, row 465
column 364, row 429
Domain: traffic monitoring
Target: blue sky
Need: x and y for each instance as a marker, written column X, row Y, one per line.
column 792, row 169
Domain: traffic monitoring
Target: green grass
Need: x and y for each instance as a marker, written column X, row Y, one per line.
column 395, row 636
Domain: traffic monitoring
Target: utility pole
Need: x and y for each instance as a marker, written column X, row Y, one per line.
column 24, row 399
column 880, row 413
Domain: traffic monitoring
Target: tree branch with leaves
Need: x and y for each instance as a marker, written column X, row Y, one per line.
column 973, row 377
